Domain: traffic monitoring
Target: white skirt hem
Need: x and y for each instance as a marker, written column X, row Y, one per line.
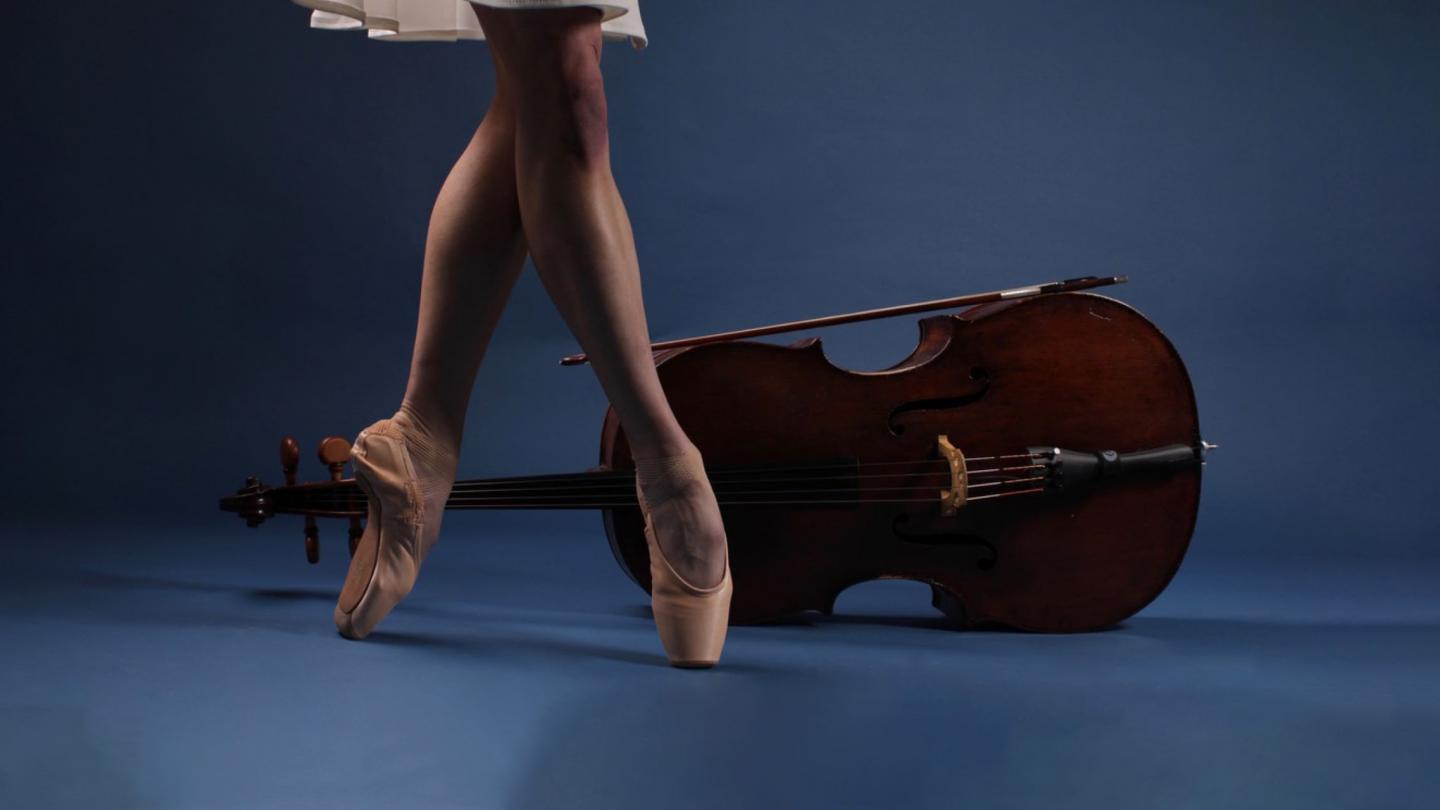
column 452, row 20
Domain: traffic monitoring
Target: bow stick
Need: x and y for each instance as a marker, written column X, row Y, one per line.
column 1068, row 285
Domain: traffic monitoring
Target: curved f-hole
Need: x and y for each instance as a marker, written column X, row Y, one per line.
column 986, row 560
column 978, row 376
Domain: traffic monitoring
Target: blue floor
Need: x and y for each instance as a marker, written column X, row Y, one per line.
column 200, row 669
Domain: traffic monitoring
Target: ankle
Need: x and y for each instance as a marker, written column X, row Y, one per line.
column 436, row 457
column 661, row 478
column 434, row 435
column 651, row 448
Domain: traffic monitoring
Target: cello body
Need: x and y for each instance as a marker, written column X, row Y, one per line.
column 1073, row 370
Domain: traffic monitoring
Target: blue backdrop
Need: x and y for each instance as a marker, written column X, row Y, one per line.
column 214, row 225
column 214, row 221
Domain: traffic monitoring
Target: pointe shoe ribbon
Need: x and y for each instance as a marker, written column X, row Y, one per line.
column 388, row 555
column 691, row 621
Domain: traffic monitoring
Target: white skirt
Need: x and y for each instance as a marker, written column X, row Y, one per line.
column 452, row 20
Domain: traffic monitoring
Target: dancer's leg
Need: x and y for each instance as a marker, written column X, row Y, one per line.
column 580, row 238
column 474, row 251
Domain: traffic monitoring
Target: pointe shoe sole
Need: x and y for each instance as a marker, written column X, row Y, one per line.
column 387, row 556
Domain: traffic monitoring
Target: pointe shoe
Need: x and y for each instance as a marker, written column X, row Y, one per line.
column 396, row 540
column 691, row 621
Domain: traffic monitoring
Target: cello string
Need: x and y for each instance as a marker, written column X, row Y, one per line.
column 357, row 512
column 728, row 488
column 714, row 474
column 733, row 493
column 623, row 504
column 627, row 481
column 723, row 471
column 985, row 484
column 845, row 496
column 727, row 498
column 721, row 475
column 764, row 496
column 561, row 488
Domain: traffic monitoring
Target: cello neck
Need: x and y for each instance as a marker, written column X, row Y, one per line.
column 593, row 489
column 835, row 482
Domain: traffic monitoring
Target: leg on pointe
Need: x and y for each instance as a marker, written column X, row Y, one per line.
column 580, row 238
column 474, row 251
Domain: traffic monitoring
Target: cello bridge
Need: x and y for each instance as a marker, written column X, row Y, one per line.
column 952, row 500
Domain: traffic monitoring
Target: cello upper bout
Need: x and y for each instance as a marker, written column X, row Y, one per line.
column 936, row 335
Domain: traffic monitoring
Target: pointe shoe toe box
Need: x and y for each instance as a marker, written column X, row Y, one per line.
column 387, row 558
column 691, row 621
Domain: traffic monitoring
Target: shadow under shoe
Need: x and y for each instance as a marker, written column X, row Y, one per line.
column 389, row 553
column 691, row 621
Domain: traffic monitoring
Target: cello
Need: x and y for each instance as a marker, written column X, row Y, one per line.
column 1036, row 460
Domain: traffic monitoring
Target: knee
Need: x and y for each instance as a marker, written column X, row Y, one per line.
column 559, row 98
column 577, row 109
column 563, row 111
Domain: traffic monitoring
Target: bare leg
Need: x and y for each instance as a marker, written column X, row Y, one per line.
column 580, row 238
column 474, row 251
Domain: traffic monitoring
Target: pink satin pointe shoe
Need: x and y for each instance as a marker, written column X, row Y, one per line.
column 691, row 621
column 396, row 539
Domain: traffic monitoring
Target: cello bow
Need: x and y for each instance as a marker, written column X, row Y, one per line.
column 1068, row 285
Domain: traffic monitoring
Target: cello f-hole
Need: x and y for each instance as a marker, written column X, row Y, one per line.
column 982, row 386
column 988, row 554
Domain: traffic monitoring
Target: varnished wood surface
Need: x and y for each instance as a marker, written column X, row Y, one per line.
column 1078, row 371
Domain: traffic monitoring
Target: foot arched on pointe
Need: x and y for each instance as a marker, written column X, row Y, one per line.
column 678, row 503
column 406, row 478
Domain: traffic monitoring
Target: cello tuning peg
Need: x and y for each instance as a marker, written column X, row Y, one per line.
column 289, row 458
column 334, row 452
column 312, row 540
